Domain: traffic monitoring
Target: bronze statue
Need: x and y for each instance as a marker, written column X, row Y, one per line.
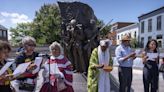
column 80, row 33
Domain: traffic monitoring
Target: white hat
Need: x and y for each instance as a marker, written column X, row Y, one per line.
column 103, row 43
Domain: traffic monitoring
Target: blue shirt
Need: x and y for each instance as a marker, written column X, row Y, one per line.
column 121, row 52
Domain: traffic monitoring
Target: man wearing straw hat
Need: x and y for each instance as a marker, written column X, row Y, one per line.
column 125, row 57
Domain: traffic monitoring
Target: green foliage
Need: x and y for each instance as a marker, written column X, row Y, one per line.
column 100, row 23
column 45, row 27
column 46, row 24
column 134, row 43
column 22, row 29
column 104, row 29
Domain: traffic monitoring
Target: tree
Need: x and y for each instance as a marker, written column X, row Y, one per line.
column 46, row 24
column 45, row 27
column 22, row 29
column 134, row 43
column 105, row 30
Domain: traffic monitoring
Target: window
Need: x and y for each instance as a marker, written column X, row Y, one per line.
column 160, row 43
column 149, row 38
column 142, row 26
column 159, row 40
column 159, row 22
column 159, row 36
column 1, row 33
column 5, row 34
column 149, row 25
column 114, row 28
column 118, row 37
column 135, row 34
column 142, row 42
column 129, row 34
column 121, row 36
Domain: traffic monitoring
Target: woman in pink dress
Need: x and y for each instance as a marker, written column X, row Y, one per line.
column 61, row 78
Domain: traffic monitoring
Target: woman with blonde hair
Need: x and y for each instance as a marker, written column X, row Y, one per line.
column 26, row 82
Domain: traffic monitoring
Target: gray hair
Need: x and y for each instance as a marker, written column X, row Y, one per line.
column 28, row 39
column 52, row 46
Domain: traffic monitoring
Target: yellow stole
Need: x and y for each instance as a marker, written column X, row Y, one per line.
column 9, row 71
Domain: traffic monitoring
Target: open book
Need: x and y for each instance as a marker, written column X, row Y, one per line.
column 5, row 67
column 21, row 69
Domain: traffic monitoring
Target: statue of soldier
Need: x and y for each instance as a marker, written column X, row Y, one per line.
column 77, row 38
column 80, row 28
column 92, row 35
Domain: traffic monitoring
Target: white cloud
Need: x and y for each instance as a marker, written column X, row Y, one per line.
column 2, row 21
column 21, row 19
column 5, row 14
column 15, row 18
column 14, row 15
column 8, row 19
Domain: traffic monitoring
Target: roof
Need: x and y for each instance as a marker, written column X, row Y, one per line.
column 2, row 27
column 123, row 23
column 128, row 27
column 152, row 13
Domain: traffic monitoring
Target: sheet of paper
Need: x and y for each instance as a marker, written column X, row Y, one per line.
column 5, row 67
column 38, row 61
column 138, row 52
column 21, row 69
column 161, row 55
column 53, row 68
column 152, row 56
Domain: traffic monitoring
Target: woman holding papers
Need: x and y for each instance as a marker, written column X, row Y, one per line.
column 161, row 66
column 4, row 80
column 99, row 68
column 60, row 73
column 26, row 81
column 150, row 70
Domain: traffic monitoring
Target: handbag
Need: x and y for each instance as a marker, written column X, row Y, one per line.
column 161, row 68
column 60, row 84
column 26, row 86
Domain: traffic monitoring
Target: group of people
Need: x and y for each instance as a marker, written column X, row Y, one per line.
column 26, row 82
column 100, row 66
column 125, row 56
column 99, row 78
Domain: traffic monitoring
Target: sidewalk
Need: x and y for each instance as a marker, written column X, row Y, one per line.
column 137, row 83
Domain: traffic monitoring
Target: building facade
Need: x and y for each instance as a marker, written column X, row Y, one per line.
column 131, row 30
column 113, row 32
column 3, row 33
column 151, row 26
column 119, row 25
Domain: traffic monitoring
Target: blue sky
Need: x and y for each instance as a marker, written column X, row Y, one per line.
column 17, row 11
